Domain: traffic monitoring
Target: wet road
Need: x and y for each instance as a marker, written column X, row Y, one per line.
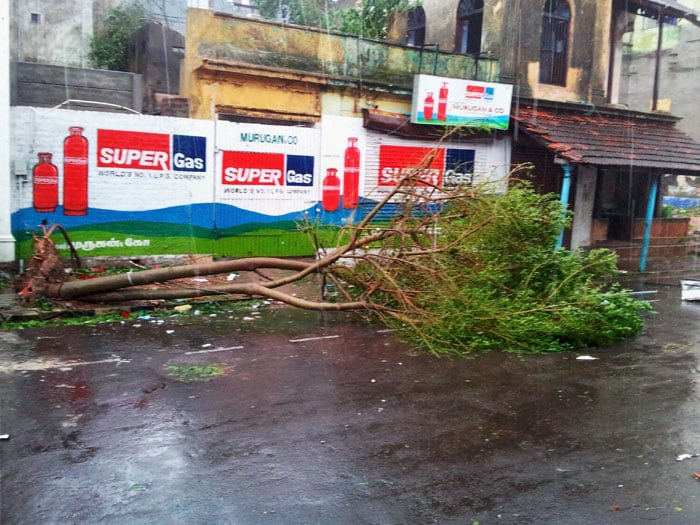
column 308, row 418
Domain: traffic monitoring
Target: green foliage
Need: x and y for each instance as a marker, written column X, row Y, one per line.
column 109, row 44
column 189, row 373
column 496, row 281
column 368, row 18
column 670, row 212
column 310, row 13
column 371, row 18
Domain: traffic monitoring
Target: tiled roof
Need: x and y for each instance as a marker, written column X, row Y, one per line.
column 601, row 139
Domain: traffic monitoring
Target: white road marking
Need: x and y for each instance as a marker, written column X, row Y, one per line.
column 314, row 338
column 214, row 350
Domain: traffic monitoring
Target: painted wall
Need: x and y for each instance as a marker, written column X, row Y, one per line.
column 162, row 185
column 7, row 240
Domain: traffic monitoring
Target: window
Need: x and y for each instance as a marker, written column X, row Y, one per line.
column 36, row 18
column 554, row 43
column 415, row 36
column 470, row 16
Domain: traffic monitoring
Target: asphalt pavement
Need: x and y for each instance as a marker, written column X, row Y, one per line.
column 272, row 415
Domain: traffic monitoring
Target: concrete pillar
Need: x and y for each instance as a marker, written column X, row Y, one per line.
column 7, row 241
column 583, row 214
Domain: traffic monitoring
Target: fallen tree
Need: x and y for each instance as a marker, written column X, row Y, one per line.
column 454, row 270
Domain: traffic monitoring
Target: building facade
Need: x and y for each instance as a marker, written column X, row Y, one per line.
column 291, row 124
column 566, row 63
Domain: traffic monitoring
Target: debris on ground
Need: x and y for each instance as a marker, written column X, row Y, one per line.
column 183, row 308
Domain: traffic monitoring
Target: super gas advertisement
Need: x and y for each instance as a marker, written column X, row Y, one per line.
column 143, row 185
column 446, row 101
column 120, row 184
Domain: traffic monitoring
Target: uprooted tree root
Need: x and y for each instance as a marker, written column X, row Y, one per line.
column 45, row 268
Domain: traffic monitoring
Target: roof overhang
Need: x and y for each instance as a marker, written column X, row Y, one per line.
column 235, row 68
column 400, row 125
column 665, row 8
column 602, row 138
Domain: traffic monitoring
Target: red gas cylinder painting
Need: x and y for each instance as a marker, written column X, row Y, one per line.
column 331, row 190
column 351, row 174
column 75, row 172
column 428, row 107
column 45, row 184
column 442, row 102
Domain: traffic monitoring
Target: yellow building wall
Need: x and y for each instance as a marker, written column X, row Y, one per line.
column 256, row 68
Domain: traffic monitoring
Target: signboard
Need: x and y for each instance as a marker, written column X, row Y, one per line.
column 447, row 167
column 270, row 170
column 128, row 184
column 455, row 102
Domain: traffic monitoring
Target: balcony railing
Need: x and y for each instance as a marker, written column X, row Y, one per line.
column 335, row 57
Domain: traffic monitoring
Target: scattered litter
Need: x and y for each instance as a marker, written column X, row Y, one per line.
column 697, row 475
column 197, row 312
column 144, row 317
column 183, row 308
column 4, row 437
column 249, row 318
column 170, row 331
column 686, row 456
column 586, row 358
column 232, row 276
column 200, row 280
column 206, row 345
column 313, row 338
column 214, row 350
